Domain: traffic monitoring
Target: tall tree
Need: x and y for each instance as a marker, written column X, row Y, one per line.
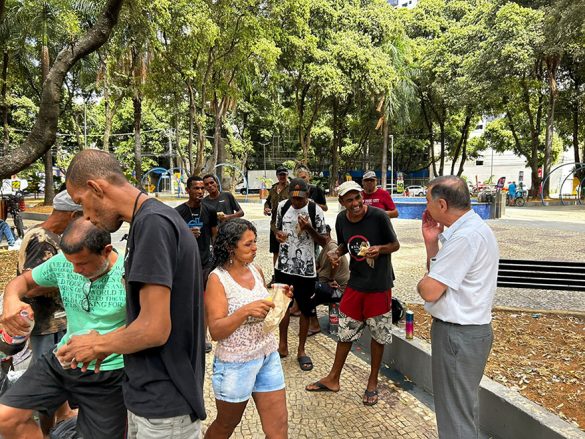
column 43, row 134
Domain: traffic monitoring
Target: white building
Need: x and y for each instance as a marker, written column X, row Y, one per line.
column 403, row 3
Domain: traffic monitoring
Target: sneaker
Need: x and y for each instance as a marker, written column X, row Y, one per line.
column 208, row 347
column 15, row 246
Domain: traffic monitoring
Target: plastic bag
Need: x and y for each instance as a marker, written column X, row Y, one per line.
column 275, row 315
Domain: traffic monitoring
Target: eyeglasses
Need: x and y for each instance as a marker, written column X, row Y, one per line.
column 85, row 303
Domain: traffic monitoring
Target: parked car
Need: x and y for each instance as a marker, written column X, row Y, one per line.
column 416, row 191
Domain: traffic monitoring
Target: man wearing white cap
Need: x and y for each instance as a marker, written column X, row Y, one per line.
column 367, row 235
column 39, row 244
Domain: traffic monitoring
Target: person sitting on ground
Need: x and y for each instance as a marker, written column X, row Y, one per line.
column 5, row 231
column 376, row 196
column 89, row 276
column 330, row 278
column 39, row 244
column 224, row 203
column 367, row 234
column 299, row 228
column 246, row 361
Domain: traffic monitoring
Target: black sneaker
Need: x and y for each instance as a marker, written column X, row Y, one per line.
column 208, row 347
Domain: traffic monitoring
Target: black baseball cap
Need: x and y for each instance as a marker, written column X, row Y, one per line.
column 281, row 170
column 298, row 188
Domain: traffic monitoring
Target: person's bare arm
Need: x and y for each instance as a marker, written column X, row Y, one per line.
column 221, row 325
column 392, row 213
column 430, row 289
column 15, row 291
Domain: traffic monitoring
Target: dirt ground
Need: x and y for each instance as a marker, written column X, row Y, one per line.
column 540, row 355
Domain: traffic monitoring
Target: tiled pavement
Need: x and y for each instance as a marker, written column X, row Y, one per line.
column 398, row 413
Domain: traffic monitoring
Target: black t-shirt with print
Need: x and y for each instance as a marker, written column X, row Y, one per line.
column 225, row 202
column 205, row 218
column 166, row 381
column 374, row 228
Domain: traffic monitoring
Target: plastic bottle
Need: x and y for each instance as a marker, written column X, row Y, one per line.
column 18, row 339
column 333, row 318
column 409, row 327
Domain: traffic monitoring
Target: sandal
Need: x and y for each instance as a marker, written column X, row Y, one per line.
column 370, row 397
column 305, row 363
column 313, row 332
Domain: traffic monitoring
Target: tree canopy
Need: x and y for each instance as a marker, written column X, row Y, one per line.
column 194, row 83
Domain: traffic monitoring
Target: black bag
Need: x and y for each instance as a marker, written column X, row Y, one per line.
column 324, row 293
column 397, row 310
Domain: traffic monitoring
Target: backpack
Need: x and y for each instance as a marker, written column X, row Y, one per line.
column 312, row 212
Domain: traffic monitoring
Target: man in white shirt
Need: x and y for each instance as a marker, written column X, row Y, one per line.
column 459, row 291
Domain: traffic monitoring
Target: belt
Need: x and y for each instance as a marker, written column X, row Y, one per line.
column 446, row 323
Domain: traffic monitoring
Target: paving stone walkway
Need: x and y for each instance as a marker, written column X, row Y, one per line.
column 398, row 413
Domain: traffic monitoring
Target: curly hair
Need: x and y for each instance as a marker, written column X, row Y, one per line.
column 228, row 235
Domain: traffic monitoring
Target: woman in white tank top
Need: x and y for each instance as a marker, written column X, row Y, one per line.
column 246, row 360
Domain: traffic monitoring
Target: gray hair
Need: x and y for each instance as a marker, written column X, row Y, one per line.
column 453, row 190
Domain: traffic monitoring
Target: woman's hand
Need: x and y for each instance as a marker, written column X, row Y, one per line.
column 258, row 309
column 281, row 236
column 288, row 290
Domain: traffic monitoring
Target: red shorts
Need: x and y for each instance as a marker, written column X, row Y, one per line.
column 360, row 305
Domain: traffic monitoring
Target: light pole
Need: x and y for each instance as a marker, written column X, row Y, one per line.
column 392, row 163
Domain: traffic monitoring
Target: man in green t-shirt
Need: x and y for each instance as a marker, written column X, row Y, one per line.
column 89, row 275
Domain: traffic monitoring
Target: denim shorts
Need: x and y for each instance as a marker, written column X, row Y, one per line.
column 235, row 382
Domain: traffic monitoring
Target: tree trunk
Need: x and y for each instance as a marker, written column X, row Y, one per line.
column 552, row 64
column 334, row 148
column 442, row 137
column 575, row 111
column 108, row 114
column 4, row 104
column 137, row 104
column 43, row 133
column 385, row 152
column 49, row 188
column 463, row 158
column 431, row 145
column 462, row 141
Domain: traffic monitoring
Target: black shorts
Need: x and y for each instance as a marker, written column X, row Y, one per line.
column 274, row 244
column 304, row 291
column 45, row 386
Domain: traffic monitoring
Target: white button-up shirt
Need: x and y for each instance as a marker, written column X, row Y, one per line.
column 467, row 264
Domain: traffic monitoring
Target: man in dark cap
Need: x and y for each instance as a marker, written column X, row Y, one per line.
column 299, row 227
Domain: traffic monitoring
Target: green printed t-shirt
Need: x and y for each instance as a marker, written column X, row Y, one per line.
column 107, row 298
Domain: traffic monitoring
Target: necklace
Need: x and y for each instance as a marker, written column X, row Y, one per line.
column 135, row 206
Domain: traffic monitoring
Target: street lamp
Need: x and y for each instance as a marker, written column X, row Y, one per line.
column 392, row 163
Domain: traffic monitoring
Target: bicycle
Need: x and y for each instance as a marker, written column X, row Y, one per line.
column 12, row 203
column 518, row 201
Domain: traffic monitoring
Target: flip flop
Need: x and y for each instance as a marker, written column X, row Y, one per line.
column 305, row 363
column 320, row 387
column 370, row 397
column 313, row 332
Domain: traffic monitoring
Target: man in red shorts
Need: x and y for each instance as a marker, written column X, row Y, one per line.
column 368, row 236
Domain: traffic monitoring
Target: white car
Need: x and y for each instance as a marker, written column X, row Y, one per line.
column 416, row 191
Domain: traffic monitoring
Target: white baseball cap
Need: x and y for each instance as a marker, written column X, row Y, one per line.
column 348, row 186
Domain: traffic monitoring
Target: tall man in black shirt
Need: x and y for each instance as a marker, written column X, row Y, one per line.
column 201, row 219
column 366, row 233
column 224, row 203
column 163, row 341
